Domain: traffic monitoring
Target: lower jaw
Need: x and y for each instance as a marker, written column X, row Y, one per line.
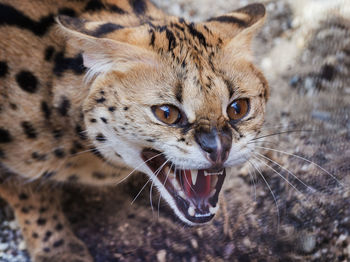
column 196, row 202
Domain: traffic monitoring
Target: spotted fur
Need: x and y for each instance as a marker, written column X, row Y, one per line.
column 77, row 83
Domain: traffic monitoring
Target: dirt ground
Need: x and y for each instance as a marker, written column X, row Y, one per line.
column 290, row 208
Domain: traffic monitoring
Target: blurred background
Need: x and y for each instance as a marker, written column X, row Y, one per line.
column 292, row 203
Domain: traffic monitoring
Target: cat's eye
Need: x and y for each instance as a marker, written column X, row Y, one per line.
column 238, row 109
column 168, row 114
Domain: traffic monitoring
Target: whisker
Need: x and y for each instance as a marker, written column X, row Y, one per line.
column 254, row 183
column 263, row 141
column 280, row 133
column 304, row 159
column 156, row 175
column 274, row 170
column 289, row 172
column 273, row 194
column 135, row 169
column 166, row 179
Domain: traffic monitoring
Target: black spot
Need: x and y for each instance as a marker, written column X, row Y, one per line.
column 42, row 210
column 73, row 178
column 47, row 236
column 150, row 140
column 2, row 154
column 93, row 120
column 67, row 11
column 59, row 227
column 35, row 235
column 111, row 108
column 229, row 19
column 25, row 210
column 27, row 222
column 104, row 120
column 126, row 108
column 29, row 130
column 100, row 100
column 97, row 5
column 13, row 17
column 98, row 175
column 27, row 81
column 178, row 92
column 195, row 33
column 139, row 6
column 106, row 29
column 171, row 38
column 3, row 68
column 68, row 63
column 41, row 221
column 13, row 106
column 46, row 249
column 59, row 152
column 45, row 109
column 38, row 156
column 94, row 5
column 57, row 133
column 64, row 106
column 153, row 38
column 97, row 153
column 23, row 196
column 48, row 174
column 58, row 243
column 100, row 137
column 116, row 9
column 327, row 72
column 80, row 132
column 5, row 136
column 49, row 53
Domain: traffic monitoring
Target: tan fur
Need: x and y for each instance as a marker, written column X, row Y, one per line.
column 48, row 113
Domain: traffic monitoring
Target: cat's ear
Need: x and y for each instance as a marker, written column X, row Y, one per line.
column 236, row 29
column 107, row 46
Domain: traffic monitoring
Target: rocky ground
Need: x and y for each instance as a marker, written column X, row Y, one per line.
column 304, row 50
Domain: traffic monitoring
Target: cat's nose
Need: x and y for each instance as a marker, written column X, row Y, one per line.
column 216, row 143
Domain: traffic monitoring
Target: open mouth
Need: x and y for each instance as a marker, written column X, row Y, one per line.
column 195, row 192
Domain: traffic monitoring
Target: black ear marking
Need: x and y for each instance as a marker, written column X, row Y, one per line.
column 80, row 25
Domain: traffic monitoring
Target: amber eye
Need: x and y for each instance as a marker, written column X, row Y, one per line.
column 238, row 109
column 167, row 113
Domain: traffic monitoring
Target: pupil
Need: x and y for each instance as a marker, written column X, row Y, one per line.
column 236, row 107
column 166, row 111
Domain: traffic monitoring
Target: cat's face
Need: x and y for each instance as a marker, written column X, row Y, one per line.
column 181, row 105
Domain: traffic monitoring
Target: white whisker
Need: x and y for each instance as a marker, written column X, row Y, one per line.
column 304, row 159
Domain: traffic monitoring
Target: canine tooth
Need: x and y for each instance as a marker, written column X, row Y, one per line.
column 190, row 211
column 194, row 174
column 213, row 210
column 214, row 180
column 212, row 193
column 182, row 194
column 206, row 173
column 176, row 184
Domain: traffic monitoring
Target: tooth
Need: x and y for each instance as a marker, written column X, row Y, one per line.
column 194, row 174
column 213, row 210
column 212, row 193
column 176, row 184
column 206, row 173
column 214, row 180
column 190, row 211
column 182, row 194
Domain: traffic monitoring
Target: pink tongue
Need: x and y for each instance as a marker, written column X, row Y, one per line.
column 202, row 186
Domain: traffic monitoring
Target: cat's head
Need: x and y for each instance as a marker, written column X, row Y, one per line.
column 176, row 100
